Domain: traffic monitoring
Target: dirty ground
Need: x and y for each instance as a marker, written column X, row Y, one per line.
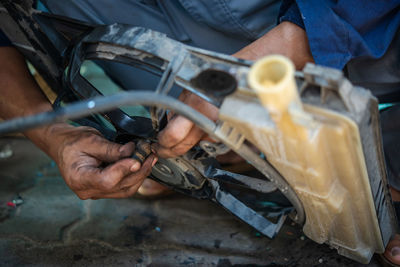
column 42, row 223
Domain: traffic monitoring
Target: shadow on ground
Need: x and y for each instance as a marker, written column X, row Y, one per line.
column 53, row 227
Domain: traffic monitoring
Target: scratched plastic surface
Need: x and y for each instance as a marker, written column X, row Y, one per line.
column 316, row 150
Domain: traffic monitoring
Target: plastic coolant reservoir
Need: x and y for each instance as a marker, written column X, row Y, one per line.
column 319, row 152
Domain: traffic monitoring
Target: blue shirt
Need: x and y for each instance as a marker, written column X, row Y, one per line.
column 337, row 30
column 341, row 30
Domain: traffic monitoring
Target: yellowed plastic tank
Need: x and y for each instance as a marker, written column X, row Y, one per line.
column 318, row 151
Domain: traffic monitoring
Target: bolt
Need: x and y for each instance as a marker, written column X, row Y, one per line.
column 210, row 149
column 6, row 152
column 163, row 168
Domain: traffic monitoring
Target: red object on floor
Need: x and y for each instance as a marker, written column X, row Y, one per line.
column 11, row 204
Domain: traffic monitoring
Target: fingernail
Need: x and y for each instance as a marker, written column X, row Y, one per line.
column 395, row 251
column 154, row 148
column 154, row 162
column 122, row 149
column 135, row 167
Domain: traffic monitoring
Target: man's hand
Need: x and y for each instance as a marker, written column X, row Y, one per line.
column 181, row 134
column 81, row 154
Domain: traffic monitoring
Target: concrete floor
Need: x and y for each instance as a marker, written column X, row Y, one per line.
column 52, row 227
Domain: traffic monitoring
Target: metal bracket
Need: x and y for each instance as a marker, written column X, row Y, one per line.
column 246, row 214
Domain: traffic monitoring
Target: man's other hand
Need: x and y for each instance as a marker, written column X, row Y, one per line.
column 181, row 134
column 94, row 167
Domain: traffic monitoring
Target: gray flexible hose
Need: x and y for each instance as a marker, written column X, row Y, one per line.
column 107, row 103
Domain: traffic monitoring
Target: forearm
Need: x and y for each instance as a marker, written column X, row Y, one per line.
column 20, row 95
column 285, row 39
column 80, row 152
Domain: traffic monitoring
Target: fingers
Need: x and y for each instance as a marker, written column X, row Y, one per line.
column 181, row 134
column 117, row 180
column 105, row 180
column 138, row 177
column 121, row 193
column 80, row 153
column 175, row 132
column 392, row 251
column 107, row 151
column 190, row 140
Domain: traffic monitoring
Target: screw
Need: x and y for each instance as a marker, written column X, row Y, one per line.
column 163, row 168
column 6, row 152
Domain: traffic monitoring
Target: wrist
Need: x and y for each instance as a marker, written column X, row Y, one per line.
column 286, row 39
column 48, row 138
column 297, row 47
